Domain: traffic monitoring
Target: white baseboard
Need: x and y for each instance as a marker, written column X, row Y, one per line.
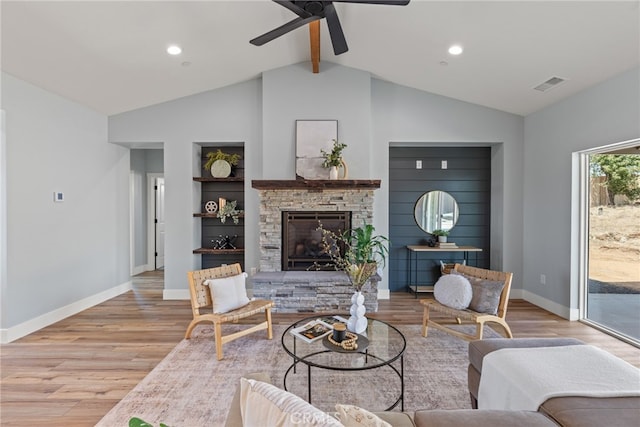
column 176, row 294
column 139, row 269
column 516, row 294
column 25, row 328
column 552, row 306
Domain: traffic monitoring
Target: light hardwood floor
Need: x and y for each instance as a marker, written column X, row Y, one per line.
column 73, row 372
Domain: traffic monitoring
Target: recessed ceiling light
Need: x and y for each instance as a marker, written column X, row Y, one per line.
column 174, row 50
column 456, row 49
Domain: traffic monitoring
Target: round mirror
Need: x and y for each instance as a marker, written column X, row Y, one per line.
column 436, row 210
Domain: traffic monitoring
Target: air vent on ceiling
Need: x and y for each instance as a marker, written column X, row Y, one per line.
column 551, row 83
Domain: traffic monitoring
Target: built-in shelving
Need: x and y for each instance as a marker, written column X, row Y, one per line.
column 230, row 188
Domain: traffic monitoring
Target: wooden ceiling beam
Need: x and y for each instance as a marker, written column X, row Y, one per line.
column 314, row 39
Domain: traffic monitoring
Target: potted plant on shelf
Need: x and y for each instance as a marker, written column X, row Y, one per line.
column 220, row 163
column 358, row 252
column 441, row 234
column 228, row 210
column 333, row 159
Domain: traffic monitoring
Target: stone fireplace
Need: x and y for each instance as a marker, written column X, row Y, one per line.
column 305, row 290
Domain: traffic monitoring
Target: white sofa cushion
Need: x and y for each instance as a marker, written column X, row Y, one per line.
column 263, row 404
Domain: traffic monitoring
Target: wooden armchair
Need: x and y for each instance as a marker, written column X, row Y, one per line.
column 468, row 315
column 201, row 297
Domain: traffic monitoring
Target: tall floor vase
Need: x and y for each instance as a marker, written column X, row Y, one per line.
column 357, row 322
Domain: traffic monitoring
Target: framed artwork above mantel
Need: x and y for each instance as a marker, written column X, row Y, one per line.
column 311, row 137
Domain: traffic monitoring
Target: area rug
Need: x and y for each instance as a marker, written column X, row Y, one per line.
column 190, row 387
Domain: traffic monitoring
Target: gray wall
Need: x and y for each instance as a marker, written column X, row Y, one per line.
column 83, row 243
column 602, row 115
column 60, row 253
column 371, row 115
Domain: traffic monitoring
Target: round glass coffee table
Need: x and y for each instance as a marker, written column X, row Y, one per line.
column 383, row 345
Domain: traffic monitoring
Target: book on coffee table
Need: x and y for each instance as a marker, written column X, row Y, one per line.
column 311, row 331
column 331, row 320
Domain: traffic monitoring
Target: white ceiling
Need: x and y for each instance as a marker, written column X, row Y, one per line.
column 110, row 55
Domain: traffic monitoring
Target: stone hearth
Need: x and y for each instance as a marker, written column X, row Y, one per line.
column 312, row 291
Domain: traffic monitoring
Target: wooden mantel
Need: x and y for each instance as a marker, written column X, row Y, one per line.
column 316, row 184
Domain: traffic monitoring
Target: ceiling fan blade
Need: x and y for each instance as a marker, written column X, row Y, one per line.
column 281, row 30
column 335, row 30
column 293, row 8
column 387, row 2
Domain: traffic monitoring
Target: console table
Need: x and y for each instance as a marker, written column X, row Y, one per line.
column 413, row 284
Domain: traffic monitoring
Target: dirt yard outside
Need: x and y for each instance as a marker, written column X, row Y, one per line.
column 614, row 245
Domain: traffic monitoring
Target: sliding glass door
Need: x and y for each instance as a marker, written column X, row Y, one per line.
column 612, row 288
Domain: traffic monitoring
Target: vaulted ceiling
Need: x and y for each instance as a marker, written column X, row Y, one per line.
column 111, row 55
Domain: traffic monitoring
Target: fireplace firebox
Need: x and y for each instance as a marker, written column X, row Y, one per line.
column 302, row 245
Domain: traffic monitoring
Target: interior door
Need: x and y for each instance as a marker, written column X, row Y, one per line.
column 159, row 223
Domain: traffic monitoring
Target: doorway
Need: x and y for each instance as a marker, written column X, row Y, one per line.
column 611, row 239
column 156, row 222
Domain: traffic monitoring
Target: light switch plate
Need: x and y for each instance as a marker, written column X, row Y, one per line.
column 418, row 164
column 443, row 164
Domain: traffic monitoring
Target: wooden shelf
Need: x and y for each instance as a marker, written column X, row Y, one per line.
column 213, row 215
column 217, row 251
column 316, row 184
column 227, row 179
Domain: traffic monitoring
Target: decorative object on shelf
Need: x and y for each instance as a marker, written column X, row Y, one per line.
column 312, row 135
column 441, row 234
column 358, row 252
column 228, row 209
column 224, row 242
column 333, row 159
column 219, row 163
column 221, row 202
column 211, row 206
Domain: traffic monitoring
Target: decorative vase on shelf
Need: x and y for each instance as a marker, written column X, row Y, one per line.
column 333, row 172
column 220, row 169
column 357, row 322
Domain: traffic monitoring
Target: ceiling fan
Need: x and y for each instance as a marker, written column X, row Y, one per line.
column 310, row 11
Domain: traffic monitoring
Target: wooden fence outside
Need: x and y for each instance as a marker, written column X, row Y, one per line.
column 598, row 193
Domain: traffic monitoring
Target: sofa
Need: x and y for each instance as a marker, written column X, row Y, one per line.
column 557, row 411
column 566, row 410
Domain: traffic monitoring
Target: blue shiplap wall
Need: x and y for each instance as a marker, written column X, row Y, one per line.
column 467, row 179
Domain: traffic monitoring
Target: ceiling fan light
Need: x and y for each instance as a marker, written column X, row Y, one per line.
column 456, row 49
